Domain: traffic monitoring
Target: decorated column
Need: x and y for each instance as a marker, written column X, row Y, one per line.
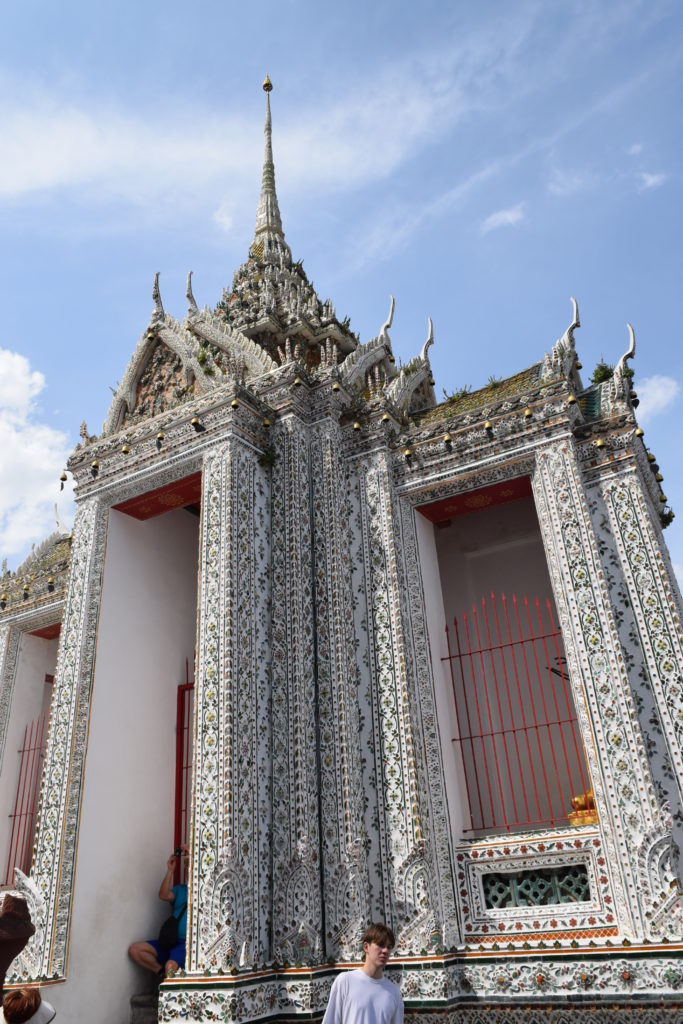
column 56, row 839
column 343, row 839
column 229, row 894
column 407, row 886
column 9, row 646
column 297, row 906
column 632, row 821
column 641, row 583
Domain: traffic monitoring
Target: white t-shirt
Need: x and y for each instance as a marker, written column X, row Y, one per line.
column 357, row 998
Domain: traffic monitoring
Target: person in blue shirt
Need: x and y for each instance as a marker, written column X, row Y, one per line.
column 165, row 955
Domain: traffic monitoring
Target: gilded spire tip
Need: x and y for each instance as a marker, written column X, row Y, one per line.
column 267, row 84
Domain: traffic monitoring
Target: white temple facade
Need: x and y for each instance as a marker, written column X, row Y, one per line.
column 431, row 660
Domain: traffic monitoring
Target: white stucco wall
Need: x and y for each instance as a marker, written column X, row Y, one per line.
column 497, row 549
column 30, row 697
column 147, row 629
column 456, row 793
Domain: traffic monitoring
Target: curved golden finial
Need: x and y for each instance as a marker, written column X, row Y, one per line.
column 267, row 84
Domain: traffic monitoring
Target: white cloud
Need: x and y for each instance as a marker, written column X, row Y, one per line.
column 566, row 183
column 656, row 394
column 504, row 218
column 19, row 385
column 173, row 157
column 32, row 455
column 116, row 154
column 650, row 181
column 223, row 216
column 636, row 149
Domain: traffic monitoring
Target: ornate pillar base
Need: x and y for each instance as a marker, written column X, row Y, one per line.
column 634, row 988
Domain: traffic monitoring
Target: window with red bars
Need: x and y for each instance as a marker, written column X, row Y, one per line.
column 518, row 737
column 23, row 816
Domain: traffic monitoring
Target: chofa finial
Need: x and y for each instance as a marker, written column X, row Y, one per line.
column 430, row 339
column 156, row 296
column 384, row 329
column 267, row 84
column 576, row 322
column 630, row 352
column 189, row 294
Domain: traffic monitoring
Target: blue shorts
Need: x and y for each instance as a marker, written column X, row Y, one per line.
column 176, row 953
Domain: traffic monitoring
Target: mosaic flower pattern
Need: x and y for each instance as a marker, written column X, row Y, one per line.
column 62, row 779
column 9, row 645
column 343, row 840
column 295, row 838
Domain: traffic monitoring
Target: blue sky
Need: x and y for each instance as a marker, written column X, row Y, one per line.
column 482, row 162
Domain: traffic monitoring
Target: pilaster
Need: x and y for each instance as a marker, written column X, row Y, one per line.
column 343, row 838
column 630, row 817
column 229, row 892
column 9, row 647
column 640, row 582
column 408, row 898
column 298, row 922
column 51, row 889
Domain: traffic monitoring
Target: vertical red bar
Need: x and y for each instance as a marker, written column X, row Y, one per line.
column 534, row 640
column 503, row 731
column 512, row 715
column 533, row 706
column 189, row 701
column 26, row 808
column 570, row 711
column 26, row 796
column 521, row 707
column 15, row 815
column 481, row 737
column 488, row 709
column 461, row 738
column 40, row 739
column 177, row 823
column 554, row 693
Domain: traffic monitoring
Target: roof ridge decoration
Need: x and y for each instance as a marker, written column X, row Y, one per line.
column 358, row 364
column 615, row 393
column 384, row 329
column 204, row 352
column 562, row 359
column 371, row 369
column 39, row 551
column 156, row 296
column 413, row 378
column 189, row 295
column 210, row 328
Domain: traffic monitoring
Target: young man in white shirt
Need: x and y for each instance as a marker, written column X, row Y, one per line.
column 364, row 996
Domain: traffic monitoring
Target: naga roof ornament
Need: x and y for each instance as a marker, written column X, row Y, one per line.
column 562, row 360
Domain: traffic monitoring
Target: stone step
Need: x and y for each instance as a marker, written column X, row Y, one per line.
column 144, row 1009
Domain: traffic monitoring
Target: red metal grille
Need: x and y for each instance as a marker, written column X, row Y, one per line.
column 522, row 758
column 183, row 773
column 23, row 817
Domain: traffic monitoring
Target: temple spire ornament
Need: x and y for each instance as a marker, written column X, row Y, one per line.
column 268, row 220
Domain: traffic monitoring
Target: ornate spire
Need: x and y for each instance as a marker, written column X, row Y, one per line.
column 268, row 220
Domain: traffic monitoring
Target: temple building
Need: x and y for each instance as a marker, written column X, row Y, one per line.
column 373, row 657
